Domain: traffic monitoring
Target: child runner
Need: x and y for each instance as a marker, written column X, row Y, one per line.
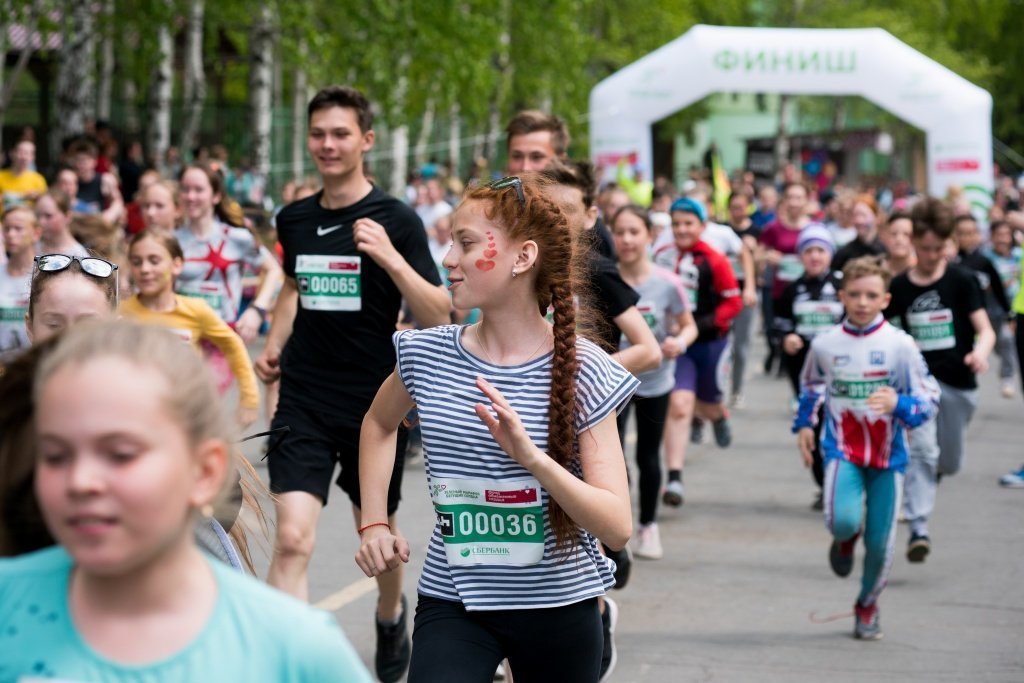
column 896, row 236
column 20, row 234
column 132, row 449
column 700, row 377
column 808, row 307
column 664, row 306
column 873, row 383
column 53, row 210
column 942, row 307
column 522, row 455
column 997, row 303
column 1006, row 257
column 160, row 205
column 156, row 260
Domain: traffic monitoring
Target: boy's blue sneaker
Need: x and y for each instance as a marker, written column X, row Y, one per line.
column 1013, row 480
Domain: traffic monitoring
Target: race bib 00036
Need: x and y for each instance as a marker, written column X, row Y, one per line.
column 330, row 283
column 489, row 522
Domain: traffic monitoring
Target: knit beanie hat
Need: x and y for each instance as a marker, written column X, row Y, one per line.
column 816, row 235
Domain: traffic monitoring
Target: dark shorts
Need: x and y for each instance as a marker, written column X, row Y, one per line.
column 704, row 369
column 317, row 441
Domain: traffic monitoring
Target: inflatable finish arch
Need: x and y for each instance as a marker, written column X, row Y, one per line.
column 955, row 115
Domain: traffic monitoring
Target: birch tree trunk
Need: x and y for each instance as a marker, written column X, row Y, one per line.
column 128, row 94
column 7, row 85
column 423, row 139
column 299, row 86
column 74, row 72
column 504, row 63
column 194, row 87
column 158, row 134
column 106, row 84
column 261, row 56
column 454, row 139
column 400, row 134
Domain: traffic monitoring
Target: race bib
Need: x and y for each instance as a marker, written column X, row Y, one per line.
column 330, row 283
column 790, row 268
column 210, row 292
column 648, row 312
column 814, row 317
column 489, row 522
column 933, row 330
column 12, row 322
column 850, row 390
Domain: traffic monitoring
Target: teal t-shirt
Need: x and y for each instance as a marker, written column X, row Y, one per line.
column 254, row 634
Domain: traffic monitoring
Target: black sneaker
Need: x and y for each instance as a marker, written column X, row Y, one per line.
column 918, row 548
column 697, row 431
column 608, row 654
column 623, row 565
column 840, row 556
column 723, row 432
column 393, row 649
column 819, row 502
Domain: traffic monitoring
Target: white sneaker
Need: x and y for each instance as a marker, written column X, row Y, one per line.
column 1007, row 389
column 648, row 542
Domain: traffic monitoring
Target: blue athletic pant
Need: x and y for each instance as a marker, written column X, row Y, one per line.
column 868, row 499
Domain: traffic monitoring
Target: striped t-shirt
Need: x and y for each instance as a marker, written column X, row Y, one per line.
column 440, row 375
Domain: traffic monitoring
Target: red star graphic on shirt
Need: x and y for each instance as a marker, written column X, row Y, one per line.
column 218, row 264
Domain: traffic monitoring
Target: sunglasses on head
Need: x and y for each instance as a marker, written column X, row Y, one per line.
column 90, row 265
column 510, row 181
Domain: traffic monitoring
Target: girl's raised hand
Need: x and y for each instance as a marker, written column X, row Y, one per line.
column 505, row 425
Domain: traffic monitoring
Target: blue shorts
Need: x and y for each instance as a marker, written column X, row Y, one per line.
column 704, row 370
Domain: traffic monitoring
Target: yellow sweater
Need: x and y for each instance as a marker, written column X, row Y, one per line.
column 193, row 320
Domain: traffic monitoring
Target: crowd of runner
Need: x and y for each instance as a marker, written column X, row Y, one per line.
column 511, row 329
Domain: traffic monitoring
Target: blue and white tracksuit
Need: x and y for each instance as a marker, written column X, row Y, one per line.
column 865, row 452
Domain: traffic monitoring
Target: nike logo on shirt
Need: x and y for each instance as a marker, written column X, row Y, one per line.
column 321, row 231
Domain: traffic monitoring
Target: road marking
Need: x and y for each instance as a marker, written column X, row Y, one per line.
column 346, row 595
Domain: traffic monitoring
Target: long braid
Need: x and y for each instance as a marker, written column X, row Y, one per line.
column 562, row 412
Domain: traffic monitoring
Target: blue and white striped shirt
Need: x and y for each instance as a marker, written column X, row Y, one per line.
column 440, row 375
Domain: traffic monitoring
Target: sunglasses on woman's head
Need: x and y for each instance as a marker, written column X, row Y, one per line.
column 90, row 265
column 510, row 181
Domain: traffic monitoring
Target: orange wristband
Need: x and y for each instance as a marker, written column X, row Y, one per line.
column 364, row 528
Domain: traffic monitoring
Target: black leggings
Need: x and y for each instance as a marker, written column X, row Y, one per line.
column 556, row 644
column 650, row 426
column 794, row 366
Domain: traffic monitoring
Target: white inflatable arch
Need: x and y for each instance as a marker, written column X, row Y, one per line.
column 955, row 115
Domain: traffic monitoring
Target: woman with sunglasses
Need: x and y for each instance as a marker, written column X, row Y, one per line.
column 521, row 449
column 66, row 289
column 20, row 234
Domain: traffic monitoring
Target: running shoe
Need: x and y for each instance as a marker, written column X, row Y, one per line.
column 648, row 542
column 865, row 622
column 608, row 654
column 840, row 556
column 918, row 548
column 673, row 494
column 723, row 432
column 1013, row 480
column 1007, row 389
column 819, row 501
column 393, row 649
column 697, row 431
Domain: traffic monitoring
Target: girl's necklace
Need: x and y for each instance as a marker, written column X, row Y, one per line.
column 483, row 347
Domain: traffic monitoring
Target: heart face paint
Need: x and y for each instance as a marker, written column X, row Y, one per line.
column 490, row 252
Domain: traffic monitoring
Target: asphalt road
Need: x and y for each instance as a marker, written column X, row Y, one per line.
column 745, row 593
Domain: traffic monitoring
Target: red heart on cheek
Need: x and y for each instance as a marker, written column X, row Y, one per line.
column 490, row 253
column 484, row 265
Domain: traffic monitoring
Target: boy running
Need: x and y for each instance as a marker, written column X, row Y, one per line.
column 874, row 383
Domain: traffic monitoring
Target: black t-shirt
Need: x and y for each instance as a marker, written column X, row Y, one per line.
column 340, row 349
column 610, row 296
column 604, row 243
column 856, row 249
column 989, row 280
column 938, row 317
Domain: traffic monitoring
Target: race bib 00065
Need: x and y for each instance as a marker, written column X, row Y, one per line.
column 330, row 283
column 489, row 522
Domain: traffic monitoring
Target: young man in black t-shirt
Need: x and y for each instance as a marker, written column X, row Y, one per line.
column 351, row 254
column 942, row 307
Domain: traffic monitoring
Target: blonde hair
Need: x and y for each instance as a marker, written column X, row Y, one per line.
column 190, row 397
column 866, row 266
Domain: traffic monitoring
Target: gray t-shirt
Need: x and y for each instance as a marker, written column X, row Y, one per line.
column 662, row 298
